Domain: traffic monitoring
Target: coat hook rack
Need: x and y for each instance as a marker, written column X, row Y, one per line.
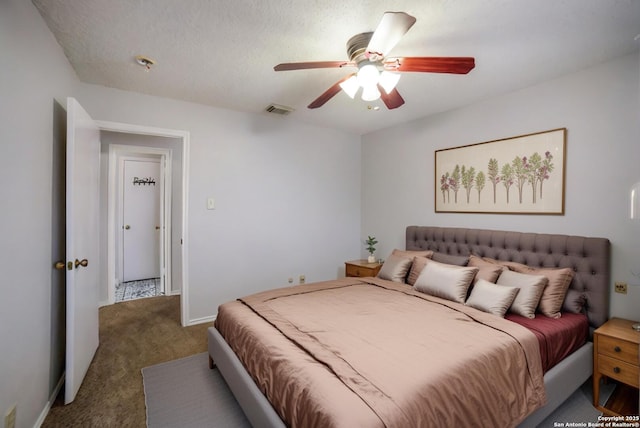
column 144, row 181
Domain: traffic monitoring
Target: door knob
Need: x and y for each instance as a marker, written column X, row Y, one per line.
column 157, row 227
column 83, row 263
column 127, row 227
column 60, row 265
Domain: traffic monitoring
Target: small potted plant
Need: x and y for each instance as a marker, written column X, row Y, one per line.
column 371, row 242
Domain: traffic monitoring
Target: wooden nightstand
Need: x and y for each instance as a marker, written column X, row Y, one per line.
column 361, row 268
column 615, row 356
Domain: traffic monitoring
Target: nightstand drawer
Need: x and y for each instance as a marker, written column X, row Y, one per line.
column 361, row 268
column 619, row 349
column 618, row 370
column 352, row 270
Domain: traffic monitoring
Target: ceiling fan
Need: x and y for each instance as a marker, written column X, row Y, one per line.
column 378, row 74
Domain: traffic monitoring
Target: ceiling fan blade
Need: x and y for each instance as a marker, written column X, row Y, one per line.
column 391, row 100
column 455, row 65
column 392, row 27
column 329, row 93
column 313, row 64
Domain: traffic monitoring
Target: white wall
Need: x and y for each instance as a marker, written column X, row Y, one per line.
column 287, row 195
column 34, row 75
column 600, row 109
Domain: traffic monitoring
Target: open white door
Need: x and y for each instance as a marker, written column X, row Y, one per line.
column 83, row 239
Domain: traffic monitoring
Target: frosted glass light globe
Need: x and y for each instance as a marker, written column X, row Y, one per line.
column 368, row 75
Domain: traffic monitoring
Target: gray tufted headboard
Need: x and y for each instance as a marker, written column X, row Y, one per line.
column 588, row 257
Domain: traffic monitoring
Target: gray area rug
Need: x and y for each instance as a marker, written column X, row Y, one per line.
column 186, row 393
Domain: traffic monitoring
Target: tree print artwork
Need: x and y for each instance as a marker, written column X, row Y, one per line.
column 490, row 175
column 479, row 183
column 468, row 178
column 506, row 178
column 444, row 186
column 454, row 183
column 494, row 176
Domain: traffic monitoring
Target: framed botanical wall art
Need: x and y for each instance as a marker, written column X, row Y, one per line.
column 518, row 175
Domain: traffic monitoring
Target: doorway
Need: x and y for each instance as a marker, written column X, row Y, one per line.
column 141, row 263
column 140, row 191
column 125, row 140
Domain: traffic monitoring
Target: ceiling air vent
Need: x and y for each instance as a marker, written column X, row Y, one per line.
column 278, row 109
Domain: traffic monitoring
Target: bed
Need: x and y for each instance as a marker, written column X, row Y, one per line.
column 374, row 381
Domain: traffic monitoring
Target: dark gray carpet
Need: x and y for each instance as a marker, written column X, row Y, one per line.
column 578, row 407
column 186, row 393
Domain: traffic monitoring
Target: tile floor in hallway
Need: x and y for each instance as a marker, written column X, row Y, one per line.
column 131, row 290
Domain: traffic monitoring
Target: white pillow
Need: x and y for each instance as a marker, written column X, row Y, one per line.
column 446, row 281
column 491, row 298
column 531, row 288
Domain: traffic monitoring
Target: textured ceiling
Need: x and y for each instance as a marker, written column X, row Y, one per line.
column 222, row 53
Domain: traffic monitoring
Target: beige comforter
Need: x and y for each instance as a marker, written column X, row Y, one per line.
column 372, row 353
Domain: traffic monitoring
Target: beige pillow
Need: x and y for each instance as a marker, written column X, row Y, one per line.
column 486, row 270
column 531, row 287
column 395, row 268
column 554, row 293
column 446, row 281
column 492, row 298
column 410, row 254
column 416, row 268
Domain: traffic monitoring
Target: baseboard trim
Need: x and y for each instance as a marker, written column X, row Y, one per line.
column 52, row 399
column 202, row 320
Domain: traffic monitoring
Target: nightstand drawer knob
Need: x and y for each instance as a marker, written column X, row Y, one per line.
column 616, row 369
column 617, row 349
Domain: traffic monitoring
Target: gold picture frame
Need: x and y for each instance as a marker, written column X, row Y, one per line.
column 517, row 175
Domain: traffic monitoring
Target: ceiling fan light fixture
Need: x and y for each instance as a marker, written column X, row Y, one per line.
column 368, row 75
column 370, row 93
column 389, row 80
column 350, row 86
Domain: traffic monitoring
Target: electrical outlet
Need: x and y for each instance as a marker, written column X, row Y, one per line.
column 10, row 418
column 302, row 279
column 621, row 287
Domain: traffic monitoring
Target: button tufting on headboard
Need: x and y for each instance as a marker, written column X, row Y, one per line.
column 588, row 257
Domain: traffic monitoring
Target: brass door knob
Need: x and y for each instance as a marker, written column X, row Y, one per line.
column 127, row 227
column 83, row 263
column 60, row 265
column 157, row 227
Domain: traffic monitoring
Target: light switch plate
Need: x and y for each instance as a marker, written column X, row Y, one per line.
column 211, row 204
